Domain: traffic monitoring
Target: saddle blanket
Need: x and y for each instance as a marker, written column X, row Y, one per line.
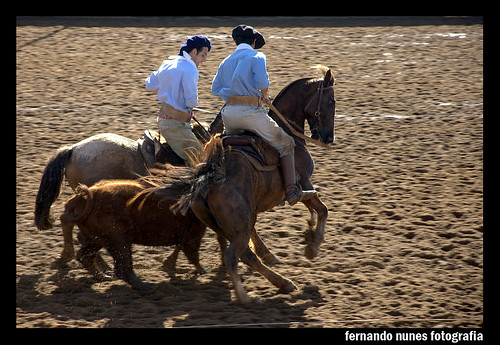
column 262, row 155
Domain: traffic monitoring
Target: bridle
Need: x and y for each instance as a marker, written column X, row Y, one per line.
column 317, row 113
column 292, row 126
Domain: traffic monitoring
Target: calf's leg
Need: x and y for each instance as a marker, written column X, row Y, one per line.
column 68, row 252
column 171, row 261
column 122, row 256
column 99, row 261
column 87, row 257
column 194, row 258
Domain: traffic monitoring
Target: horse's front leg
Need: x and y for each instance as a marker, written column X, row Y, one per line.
column 314, row 217
column 238, row 246
column 314, row 235
column 256, row 244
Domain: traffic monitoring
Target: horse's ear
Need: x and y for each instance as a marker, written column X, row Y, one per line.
column 328, row 79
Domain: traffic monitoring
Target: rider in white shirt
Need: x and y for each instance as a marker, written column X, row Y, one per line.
column 176, row 86
column 182, row 72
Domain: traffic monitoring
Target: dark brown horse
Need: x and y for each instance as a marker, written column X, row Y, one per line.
column 229, row 206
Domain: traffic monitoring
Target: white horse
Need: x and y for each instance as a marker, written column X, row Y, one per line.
column 102, row 156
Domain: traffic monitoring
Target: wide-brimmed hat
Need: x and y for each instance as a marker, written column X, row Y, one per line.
column 248, row 31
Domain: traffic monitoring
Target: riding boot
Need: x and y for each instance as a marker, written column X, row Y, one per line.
column 293, row 192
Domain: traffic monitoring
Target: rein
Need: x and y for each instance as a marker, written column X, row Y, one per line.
column 290, row 124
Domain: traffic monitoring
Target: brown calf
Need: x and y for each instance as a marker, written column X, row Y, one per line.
column 109, row 215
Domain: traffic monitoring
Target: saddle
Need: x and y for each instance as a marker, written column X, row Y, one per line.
column 261, row 154
column 155, row 149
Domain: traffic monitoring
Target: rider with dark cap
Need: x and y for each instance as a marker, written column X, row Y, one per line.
column 176, row 84
column 242, row 81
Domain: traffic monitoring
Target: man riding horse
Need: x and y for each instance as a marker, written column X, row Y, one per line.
column 242, row 81
column 176, row 84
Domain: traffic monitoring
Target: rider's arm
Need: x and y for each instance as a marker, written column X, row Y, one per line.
column 261, row 78
column 190, row 88
column 153, row 83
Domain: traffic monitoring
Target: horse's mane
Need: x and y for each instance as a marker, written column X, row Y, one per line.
column 323, row 70
column 183, row 184
column 170, row 180
column 302, row 80
column 211, row 170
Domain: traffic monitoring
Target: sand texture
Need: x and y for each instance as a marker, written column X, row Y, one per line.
column 403, row 183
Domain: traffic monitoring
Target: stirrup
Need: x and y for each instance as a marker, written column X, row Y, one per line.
column 302, row 194
column 309, row 192
column 294, row 194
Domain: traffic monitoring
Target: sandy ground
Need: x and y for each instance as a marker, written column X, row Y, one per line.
column 403, row 184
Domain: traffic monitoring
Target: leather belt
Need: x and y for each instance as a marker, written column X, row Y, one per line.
column 243, row 100
column 169, row 112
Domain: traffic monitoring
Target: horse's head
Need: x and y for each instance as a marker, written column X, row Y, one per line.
column 320, row 110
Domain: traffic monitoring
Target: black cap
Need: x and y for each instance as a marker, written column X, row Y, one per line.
column 248, row 31
column 195, row 42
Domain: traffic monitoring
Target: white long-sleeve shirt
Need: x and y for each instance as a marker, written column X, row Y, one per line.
column 177, row 82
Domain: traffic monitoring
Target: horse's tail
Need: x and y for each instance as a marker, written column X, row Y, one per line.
column 50, row 187
column 210, row 171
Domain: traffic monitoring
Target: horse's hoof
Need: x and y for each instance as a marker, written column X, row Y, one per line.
column 66, row 257
column 248, row 301
column 142, row 287
column 200, row 271
column 289, row 287
column 169, row 267
column 60, row 263
column 101, row 276
column 311, row 251
column 101, row 264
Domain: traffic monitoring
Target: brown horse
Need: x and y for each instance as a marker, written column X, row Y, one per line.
column 220, row 199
